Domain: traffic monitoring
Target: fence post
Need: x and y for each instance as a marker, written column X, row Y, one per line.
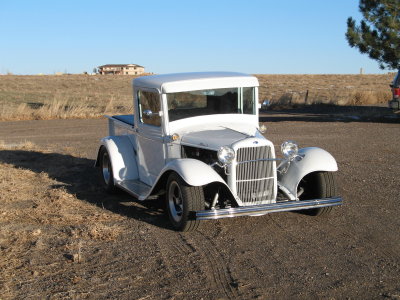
column 306, row 98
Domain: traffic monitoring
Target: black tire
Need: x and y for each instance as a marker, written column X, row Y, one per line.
column 182, row 202
column 318, row 185
column 106, row 171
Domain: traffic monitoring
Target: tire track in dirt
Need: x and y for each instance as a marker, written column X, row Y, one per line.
column 200, row 250
column 182, row 244
column 220, row 275
column 170, row 245
column 181, row 260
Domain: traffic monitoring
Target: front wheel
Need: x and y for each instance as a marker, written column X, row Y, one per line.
column 315, row 186
column 182, row 203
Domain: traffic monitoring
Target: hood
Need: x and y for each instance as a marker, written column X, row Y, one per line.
column 213, row 138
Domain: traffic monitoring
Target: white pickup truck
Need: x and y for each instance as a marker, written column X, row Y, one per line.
column 195, row 140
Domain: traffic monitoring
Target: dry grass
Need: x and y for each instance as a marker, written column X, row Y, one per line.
column 292, row 90
column 38, row 213
column 61, row 109
column 83, row 96
column 63, row 97
column 27, row 145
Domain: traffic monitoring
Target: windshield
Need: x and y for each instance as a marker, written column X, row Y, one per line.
column 209, row 102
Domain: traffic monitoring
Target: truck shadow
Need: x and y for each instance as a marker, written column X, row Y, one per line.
column 331, row 113
column 80, row 178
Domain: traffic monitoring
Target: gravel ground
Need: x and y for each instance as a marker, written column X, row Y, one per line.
column 134, row 254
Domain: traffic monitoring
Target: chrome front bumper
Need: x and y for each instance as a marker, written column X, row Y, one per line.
column 258, row 210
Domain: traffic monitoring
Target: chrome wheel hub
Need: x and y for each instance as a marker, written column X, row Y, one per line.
column 175, row 201
column 106, row 167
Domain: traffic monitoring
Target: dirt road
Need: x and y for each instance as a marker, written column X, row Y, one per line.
column 61, row 236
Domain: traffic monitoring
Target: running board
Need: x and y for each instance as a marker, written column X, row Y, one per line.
column 259, row 210
column 136, row 188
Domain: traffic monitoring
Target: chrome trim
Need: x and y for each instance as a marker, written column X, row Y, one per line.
column 106, row 167
column 287, row 193
column 258, row 210
column 255, row 174
column 147, row 113
column 175, row 201
column 255, row 160
column 258, row 179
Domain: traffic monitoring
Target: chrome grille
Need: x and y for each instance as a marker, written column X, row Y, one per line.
column 255, row 175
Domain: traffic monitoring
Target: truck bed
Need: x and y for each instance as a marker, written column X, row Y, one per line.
column 128, row 119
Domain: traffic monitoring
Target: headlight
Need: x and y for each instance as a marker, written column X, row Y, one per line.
column 289, row 149
column 226, row 155
column 262, row 128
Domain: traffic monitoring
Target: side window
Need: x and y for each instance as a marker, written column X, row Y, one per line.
column 248, row 100
column 149, row 101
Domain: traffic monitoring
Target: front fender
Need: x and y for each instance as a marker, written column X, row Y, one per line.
column 194, row 172
column 313, row 160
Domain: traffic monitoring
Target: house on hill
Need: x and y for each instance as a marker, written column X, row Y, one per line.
column 129, row 69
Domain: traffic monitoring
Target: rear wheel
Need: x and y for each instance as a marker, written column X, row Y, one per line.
column 106, row 171
column 182, row 201
column 315, row 186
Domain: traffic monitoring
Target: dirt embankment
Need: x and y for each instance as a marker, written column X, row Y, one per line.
column 62, row 237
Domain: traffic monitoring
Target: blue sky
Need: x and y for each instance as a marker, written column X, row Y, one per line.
column 266, row 36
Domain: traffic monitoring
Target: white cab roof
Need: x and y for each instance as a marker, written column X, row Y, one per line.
column 181, row 82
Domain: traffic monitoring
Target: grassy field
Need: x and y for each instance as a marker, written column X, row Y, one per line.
column 84, row 96
column 326, row 89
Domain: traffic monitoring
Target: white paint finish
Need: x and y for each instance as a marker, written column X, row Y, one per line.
column 182, row 82
column 136, row 188
column 247, row 124
column 151, row 153
column 212, row 139
column 194, row 172
column 203, row 175
column 122, row 157
column 173, row 151
column 315, row 159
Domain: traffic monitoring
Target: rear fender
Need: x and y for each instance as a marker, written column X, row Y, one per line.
column 123, row 157
column 310, row 160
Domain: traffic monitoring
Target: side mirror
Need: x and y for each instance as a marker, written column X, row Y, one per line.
column 148, row 114
column 265, row 104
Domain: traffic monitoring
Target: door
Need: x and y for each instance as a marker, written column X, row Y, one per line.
column 151, row 149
